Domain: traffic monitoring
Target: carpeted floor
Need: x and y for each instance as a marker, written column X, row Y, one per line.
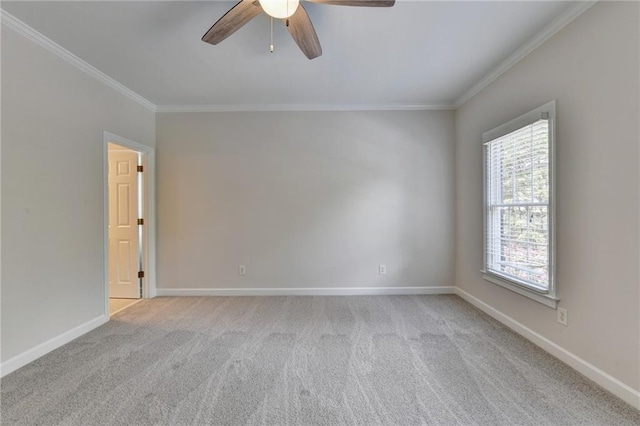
column 391, row 360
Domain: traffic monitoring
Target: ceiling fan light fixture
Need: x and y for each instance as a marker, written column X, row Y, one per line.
column 296, row 18
column 280, row 9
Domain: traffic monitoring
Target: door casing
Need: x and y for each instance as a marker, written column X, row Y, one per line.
column 149, row 202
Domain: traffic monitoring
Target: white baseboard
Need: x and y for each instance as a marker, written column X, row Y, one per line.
column 327, row 291
column 36, row 352
column 610, row 383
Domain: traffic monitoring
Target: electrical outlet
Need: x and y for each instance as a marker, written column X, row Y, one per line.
column 383, row 269
column 563, row 316
column 242, row 270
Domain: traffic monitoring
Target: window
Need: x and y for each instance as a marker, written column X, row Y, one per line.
column 519, row 205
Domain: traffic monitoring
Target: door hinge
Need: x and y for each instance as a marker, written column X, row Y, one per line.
column 141, row 221
column 140, row 274
column 140, row 169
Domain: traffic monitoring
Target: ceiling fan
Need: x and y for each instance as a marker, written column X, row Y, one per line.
column 291, row 11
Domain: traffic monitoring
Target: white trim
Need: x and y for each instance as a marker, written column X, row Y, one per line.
column 610, row 383
column 315, row 291
column 299, row 107
column 549, row 31
column 36, row 352
column 149, row 243
column 23, row 29
column 545, row 299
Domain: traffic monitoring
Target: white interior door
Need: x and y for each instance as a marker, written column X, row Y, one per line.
column 123, row 224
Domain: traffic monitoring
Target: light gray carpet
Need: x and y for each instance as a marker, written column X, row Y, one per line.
column 391, row 360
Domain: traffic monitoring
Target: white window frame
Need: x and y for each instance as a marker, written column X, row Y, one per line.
column 547, row 297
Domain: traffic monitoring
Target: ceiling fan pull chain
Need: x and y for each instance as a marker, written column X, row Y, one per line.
column 271, row 45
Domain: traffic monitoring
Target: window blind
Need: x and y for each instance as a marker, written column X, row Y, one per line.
column 517, row 205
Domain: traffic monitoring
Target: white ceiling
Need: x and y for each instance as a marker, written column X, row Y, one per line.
column 415, row 53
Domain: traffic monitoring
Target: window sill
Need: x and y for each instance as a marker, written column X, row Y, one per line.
column 545, row 299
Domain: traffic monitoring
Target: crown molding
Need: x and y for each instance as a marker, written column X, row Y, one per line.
column 549, row 31
column 298, row 107
column 26, row 31
column 41, row 40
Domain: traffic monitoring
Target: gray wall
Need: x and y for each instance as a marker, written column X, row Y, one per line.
column 305, row 199
column 53, row 116
column 591, row 68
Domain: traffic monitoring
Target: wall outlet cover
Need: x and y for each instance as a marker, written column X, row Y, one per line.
column 563, row 316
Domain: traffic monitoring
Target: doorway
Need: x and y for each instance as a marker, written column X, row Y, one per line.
column 129, row 225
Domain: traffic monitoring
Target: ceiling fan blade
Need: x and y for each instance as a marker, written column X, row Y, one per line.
column 302, row 31
column 232, row 21
column 361, row 3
